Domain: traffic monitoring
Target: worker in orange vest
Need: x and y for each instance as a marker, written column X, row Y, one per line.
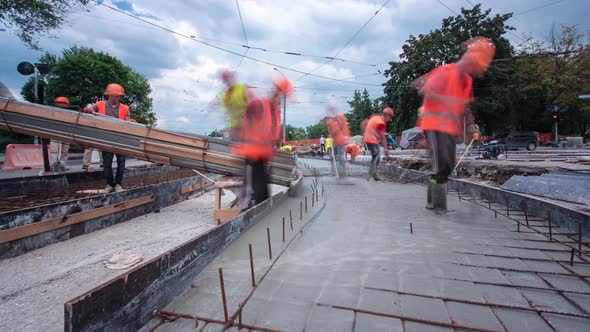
column 58, row 151
column 114, row 108
column 260, row 130
column 353, row 150
column 338, row 129
column 446, row 92
column 374, row 133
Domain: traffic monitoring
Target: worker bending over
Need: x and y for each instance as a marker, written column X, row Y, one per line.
column 260, row 129
column 114, row 108
column 353, row 150
column 374, row 133
column 338, row 129
column 446, row 91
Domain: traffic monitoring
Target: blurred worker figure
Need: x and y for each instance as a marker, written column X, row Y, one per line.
column 338, row 129
column 353, row 150
column 260, row 129
column 112, row 107
column 329, row 144
column 446, row 91
column 322, row 145
column 374, row 133
column 58, row 151
column 475, row 136
column 235, row 99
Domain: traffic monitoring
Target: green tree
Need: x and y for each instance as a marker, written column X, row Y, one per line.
column 317, row 130
column 295, row 133
column 81, row 74
column 30, row 19
column 423, row 53
column 556, row 76
column 361, row 107
column 216, row 133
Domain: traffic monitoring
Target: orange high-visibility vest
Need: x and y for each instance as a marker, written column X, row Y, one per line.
column 123, row 109
column 259, row 130
column 375, row 126
column 353, row 149
column 438, row 115
column 338, row 129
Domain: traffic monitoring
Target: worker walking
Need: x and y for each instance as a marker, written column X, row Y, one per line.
column 338, row 129
column 114, row 108
column 446, row 91
column 235, row 99
column 58, row 151
column 322, row 145
column 374, row 133
column 260, row 129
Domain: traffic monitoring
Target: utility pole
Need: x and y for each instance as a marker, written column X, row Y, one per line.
column 284, row 118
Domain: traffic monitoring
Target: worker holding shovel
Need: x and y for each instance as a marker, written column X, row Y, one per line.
column 446, row 92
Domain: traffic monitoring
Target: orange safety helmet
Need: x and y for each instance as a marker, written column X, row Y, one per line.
column 114, row 89
column 480, row 50
column 389, row 111
column 284, row 86
column 61, row 100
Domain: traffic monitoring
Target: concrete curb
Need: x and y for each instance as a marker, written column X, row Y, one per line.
column 165, row 194
column 126, row 303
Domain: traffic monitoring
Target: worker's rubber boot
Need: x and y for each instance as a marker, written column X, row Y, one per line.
column 429, row 196
column 378, row 176
column 371, row 172
column 439, row 198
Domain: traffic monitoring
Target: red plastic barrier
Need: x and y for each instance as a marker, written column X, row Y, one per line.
column 23, row 156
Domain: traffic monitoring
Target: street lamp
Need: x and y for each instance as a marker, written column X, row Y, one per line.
column 38, row 70
column 284, row 109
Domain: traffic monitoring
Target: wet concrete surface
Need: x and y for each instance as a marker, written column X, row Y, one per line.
column 375, row 260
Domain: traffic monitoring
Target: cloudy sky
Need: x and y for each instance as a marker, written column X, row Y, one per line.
column 184, row 71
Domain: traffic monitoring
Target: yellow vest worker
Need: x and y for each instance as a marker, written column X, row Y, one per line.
column 329, row 143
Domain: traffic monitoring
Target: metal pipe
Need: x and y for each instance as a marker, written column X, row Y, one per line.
column 269, row 244
column 223, row 300
column 408, row 318
column 283, row 229
column 251, row 265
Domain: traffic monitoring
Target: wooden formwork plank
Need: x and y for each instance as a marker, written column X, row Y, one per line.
column 225, row 214
column 194, row 187
column 171, row 150
column 70, row 219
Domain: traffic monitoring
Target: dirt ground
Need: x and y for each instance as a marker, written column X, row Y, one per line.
column 35, row 286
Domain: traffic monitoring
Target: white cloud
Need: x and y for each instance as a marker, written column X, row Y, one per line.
column 173, row 63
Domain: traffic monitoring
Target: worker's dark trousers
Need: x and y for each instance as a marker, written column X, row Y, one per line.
column 107, row 158
column 375, row 152
column 255, row 189
column 442, row 153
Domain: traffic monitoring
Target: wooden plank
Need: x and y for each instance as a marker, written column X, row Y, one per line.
column 70, row 219
column 178, row 138
column 170, row 149
column 225, row 214
column 194, row 187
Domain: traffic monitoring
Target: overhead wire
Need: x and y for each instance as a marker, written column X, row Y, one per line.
column 345, row 45
column 245, row 36
column 230, row 51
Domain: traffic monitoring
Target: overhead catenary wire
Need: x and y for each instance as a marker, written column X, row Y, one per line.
column 245, row 36
column 345, row 45
column 230, row 51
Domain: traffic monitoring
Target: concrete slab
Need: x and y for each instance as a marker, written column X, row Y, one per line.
column 359, row 251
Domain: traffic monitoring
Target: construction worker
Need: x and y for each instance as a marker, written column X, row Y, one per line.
column 338, row 129
column 235, row 99
column 322, row 145
column 374, row 133
column 260, row 129
column 353, row 150
column 112, row 107
column 446, row 92
column 58, row 151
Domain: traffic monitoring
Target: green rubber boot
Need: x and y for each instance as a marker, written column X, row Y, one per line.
column 378, row 176
column 439, row 198
column 371, row 172
column 429, row 196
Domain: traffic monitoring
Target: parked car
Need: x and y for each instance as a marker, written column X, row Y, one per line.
column 511, row 141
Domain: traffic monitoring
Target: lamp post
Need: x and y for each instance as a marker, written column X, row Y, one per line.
column 38, row 70
column 284, row 110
